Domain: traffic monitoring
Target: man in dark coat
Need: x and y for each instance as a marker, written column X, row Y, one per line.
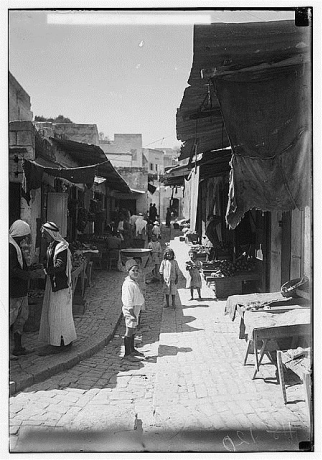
column 19, row 275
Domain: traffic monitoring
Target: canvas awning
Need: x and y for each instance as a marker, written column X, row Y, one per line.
column 255, row 79
column 33, row 175
column 92, row 163
column 89, row 155
column 215, row 163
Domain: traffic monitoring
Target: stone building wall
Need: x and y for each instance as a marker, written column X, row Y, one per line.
column 19, row 102
column 125, row 143
column 86, row 133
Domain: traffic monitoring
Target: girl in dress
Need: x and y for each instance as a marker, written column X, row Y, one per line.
column 194, row 279
column 169, row 271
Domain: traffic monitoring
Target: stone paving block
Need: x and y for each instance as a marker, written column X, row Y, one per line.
column 246, row 407
column 241, row 421
column 212, row 362
column 201, row 391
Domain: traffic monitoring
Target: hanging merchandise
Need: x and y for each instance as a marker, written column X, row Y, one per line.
column 194, row 197
column 259, row 253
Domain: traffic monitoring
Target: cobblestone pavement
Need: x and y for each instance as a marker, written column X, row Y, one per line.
column 191, row 393
column 94, row 329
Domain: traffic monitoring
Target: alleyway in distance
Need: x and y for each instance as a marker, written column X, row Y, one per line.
column 191, row 393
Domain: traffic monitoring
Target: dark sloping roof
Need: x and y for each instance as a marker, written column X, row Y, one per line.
column 89, row 154
column 215, row 163
column 223, row 48
column 176, row 175
column 211, row 164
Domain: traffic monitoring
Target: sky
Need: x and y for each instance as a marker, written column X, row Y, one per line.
column 124, row 78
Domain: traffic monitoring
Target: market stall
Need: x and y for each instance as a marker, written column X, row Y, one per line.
column 270, row 322
column 273, row 330
column 228, row 278
column 299, row 362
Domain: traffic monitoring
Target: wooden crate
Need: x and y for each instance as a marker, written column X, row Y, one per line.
column 224, row 287
column 230, row 285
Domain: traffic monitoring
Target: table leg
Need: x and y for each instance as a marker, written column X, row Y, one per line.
column 261, row 354
column 307, row 390
column 281, row 374
column 82, row 276
column 247, row 351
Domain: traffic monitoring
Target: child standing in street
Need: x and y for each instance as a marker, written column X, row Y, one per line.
column 155, row 246
column 156, row 230
column 169, row 271
column 194, row 279
column 133, row 301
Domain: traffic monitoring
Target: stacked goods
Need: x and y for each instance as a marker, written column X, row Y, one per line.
column 79, row 246
column 225, row 268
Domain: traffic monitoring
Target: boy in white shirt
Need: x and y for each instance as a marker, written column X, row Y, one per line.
column 133, row 301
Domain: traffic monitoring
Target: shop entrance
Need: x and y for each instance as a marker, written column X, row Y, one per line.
column 14, row 201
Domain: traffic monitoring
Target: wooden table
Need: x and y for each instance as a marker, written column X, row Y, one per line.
column 301, row 366
column 265, row 330
column 79, row 272
column 88, row 253
column 264, row 335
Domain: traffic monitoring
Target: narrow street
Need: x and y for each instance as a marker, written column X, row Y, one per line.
column 191, row 393
column 131, row 130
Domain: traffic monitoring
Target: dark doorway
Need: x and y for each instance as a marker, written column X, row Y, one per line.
column 14, row 201
column 127, row 204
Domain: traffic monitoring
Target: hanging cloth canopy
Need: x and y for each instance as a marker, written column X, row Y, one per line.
column 33, row 175
column 267, row 117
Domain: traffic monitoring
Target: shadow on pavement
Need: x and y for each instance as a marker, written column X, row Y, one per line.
column 194, row 305
column 169, row 350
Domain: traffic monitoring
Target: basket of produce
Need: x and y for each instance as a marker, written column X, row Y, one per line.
column 226, row 278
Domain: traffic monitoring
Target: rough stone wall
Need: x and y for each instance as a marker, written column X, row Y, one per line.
column 19, row 102
column 21, row 145
column 86, row 133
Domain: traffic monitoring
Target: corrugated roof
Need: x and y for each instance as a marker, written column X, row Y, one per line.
column 89, row 154
column 228, row 48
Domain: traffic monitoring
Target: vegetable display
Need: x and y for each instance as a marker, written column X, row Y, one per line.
column 223, row 268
